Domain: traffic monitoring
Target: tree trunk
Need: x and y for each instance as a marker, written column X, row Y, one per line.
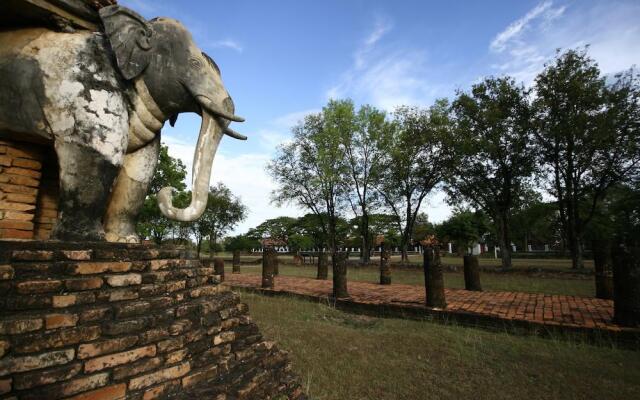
column 218, row 266
column 385, row 269
column 199, row 246
column 365, row 257
column 404, row 258
column 577, row 261
column 505, row 243
column 339, row 261
column 236, row 262
column 268, row 265
column 471, row 273
column 626, row 281
column 602, row 266
column 323, row 265
column 433, row 278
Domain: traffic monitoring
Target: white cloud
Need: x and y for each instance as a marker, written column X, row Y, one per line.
column 513, row 31
column 610, row 30
column 228, row 44
column 386, row 75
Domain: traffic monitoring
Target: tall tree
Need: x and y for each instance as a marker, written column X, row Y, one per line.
column 224, row 210
column 279, row 229
column 587, row 137
column 492, row 152
column 464, row 228
column 364, row 150
column 169, row 172
column 413, row 164
column 310, row 172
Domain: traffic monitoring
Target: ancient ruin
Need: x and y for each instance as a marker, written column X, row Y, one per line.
column 85, row 87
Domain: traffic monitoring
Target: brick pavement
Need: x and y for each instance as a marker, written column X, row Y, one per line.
column 564, row 312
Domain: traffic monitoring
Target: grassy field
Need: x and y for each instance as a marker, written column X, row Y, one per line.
column 553, row 264
column 490, row 281
column 343, row 356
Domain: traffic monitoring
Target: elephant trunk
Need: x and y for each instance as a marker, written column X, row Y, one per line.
column 210, row 135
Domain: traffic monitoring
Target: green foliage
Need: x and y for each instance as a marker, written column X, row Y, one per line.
column 491, row 152
column 310, row 171
column 241, row 243
column 280, row 229
column 365, row 148
column 414, row 163
column 536, row 222
column 587, row 137
column 463, row 228
column 223, row 212
column 169, row 172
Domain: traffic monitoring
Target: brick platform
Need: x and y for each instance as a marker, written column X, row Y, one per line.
column 537, row 312
column 107, row 321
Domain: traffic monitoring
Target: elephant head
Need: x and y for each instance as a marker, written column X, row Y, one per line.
column 179, row 77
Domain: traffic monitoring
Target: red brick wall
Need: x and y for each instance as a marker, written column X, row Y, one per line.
column 28, row 190
column 20, row 173
column 127, row 321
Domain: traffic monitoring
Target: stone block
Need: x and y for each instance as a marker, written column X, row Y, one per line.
column 12, row 365
column 112, row 360
column 53, row 321
column 166, row 374
column 123, row 280
column 106, row 346
column 137, row 368
column 58, row 338
column 113, row 392
column 46, row 377
column 6, row 272
column 44, row 286
column 79, row 284
column 18, row 326
column 86, row 268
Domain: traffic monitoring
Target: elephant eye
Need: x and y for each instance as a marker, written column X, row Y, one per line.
column 195, row 63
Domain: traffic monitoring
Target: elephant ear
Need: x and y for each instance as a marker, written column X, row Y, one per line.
column 130, row 37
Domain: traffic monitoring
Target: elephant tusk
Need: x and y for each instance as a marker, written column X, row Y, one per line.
column 234, row 134
column 213, row 109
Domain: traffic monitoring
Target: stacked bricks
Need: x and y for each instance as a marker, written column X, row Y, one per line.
column 20, row 173
column 47, row 202
column 128, row 322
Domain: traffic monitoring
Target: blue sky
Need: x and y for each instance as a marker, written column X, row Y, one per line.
column 283, row 59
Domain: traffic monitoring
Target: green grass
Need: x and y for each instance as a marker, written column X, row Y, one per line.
column 490, row 281
column 553, row 264
column 344, row 356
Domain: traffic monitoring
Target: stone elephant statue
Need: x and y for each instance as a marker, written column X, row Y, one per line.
column 101, row 99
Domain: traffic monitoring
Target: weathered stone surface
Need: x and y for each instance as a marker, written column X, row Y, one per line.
column 83, row 283
column 31, row 287
column 59, row 338
column 17, row 326
column 166, row 374
column 113, row 392
column 68, row 388
column 92, row 340
column 137, row 368
column 10, row 365
column 40, row 378
column 123, row 280
column 106, row 346
column 6, row 272
column 53, row 321
column 112, row 360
